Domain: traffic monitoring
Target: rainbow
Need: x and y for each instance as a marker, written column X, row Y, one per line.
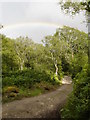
column 32, row 24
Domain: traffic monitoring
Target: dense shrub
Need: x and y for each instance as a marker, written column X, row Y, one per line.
column 78, row 105
column 26, row 78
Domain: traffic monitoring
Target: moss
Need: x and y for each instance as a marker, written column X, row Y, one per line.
column 11, row 89
column 12, row 94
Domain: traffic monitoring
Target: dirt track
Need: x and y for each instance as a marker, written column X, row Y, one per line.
column 43, row 106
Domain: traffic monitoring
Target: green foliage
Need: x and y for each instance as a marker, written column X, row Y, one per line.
column 30, row 69
column 71, row 7
column 75, row 55
column 9, row 58
column 78, row 103
column 25, row 78
column 56, row 79
column 75, row 7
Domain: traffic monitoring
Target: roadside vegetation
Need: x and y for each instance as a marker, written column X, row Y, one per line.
column 30, row 69
column 25, row 63
column 78, row 105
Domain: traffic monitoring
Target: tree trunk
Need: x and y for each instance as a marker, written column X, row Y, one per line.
column 72, row 55
column 56, row 67
column 21, row 65
column 55, row 64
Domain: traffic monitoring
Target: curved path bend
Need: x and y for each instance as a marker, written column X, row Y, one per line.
column 42, row 106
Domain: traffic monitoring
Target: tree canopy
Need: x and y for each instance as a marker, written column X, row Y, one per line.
column 74, row 7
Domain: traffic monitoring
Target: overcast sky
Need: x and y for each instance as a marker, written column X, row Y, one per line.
column 36, row 19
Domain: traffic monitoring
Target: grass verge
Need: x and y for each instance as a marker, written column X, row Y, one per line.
column 11, row 93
